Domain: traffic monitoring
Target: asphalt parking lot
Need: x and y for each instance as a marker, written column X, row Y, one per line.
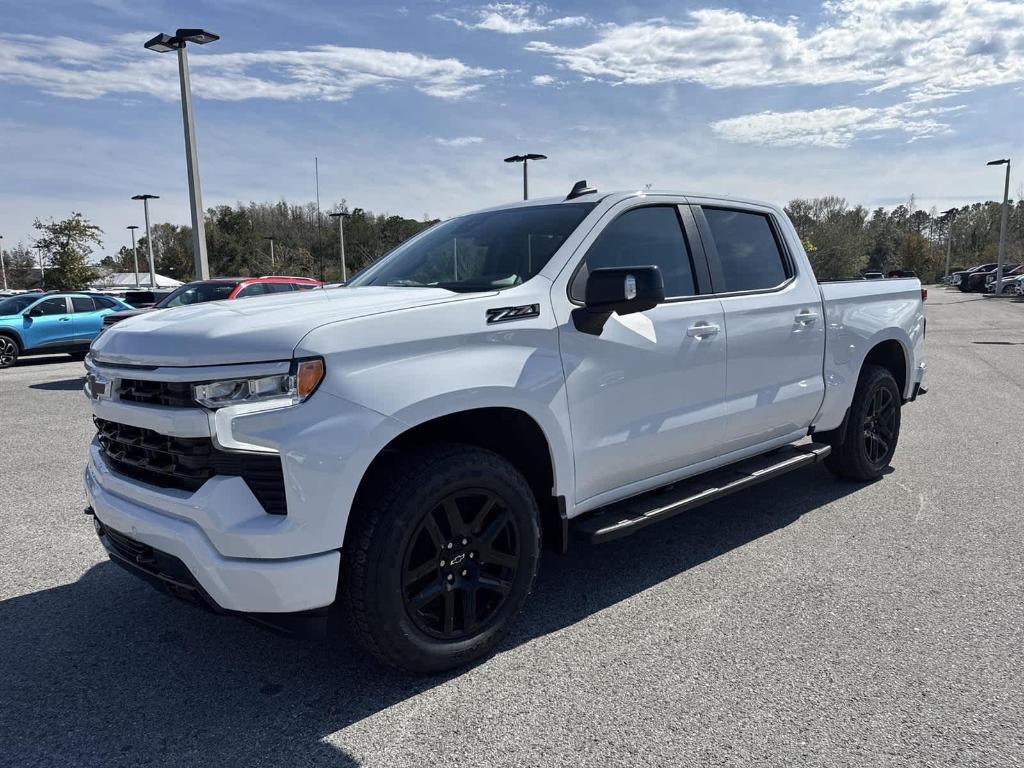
column 811, row 622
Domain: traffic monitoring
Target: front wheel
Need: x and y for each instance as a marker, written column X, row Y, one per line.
column 865, row 447
column 441, row 554
column 8, row 351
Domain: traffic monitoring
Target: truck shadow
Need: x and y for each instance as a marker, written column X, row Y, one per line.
column 105, row 671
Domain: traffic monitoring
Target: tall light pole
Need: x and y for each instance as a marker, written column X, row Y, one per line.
column 951, row 213
column 164, row 44
column 135, row 253
column 149, row 238
column 525, row 160
column 271, row 239
column 341, row 216
column 3, row 267
column 42, row 267
column 1002, row 227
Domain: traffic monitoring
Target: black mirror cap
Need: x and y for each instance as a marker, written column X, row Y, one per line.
column 624, row 289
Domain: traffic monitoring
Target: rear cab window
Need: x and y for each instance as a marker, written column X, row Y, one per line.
column 749, row 254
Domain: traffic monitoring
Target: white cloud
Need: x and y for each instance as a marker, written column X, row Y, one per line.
column 546, row 81
column 74, row 68
column 460, row 141
column 922, row 49
column 832, row 127
column 515, row 18
column 932, row 48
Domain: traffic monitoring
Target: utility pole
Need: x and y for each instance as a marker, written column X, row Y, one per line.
column 319, row 234
column 149, row 237
column 525, row 160
column 341, row 216
column 271, row 239
column 951, row 213
column 3, row 267
column 1002, row 227
column 163, row 44
column 135, row 254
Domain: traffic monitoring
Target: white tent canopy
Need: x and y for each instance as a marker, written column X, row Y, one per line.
column 127, row 280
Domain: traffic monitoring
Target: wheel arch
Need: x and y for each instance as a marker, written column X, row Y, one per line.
column 510, row 432
column 14, row 335
column 893, row 355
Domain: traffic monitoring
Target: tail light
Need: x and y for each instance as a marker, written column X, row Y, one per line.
column 924, row 294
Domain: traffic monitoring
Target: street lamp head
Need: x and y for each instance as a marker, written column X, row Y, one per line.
column 523, row 158
column 1004, row 161
column 163, row 43
column 200, row 36
column 268, row 237
column 337, row 214
column 145, row 197
column 131, row 226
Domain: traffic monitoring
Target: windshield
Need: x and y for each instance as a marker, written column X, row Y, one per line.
column 197, row 293
column 480, row 252
column 15, row 305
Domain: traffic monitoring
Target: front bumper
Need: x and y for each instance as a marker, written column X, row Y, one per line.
column 247, row 585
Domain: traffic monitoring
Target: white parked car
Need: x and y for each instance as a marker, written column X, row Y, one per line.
column 401, row 445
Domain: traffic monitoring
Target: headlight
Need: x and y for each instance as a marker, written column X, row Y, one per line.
column 282, row 389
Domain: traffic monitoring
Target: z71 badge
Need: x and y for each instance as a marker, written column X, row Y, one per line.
column 505, row 314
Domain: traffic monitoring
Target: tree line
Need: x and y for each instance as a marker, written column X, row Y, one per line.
column 841, row 241
column 237, row 244
column 844, row 241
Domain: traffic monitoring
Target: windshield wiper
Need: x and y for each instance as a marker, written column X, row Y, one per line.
column 405, row 284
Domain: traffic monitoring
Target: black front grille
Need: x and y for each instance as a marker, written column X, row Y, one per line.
column 177, row 394
column 186, row 463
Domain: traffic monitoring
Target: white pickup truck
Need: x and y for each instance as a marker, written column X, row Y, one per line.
column 398, row 446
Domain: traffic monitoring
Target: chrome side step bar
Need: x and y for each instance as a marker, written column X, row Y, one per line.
column 625, row 517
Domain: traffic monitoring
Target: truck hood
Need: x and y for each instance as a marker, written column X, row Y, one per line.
column 257, row 329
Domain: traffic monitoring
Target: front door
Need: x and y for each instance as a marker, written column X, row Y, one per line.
column 645, row 396
column 49, row 324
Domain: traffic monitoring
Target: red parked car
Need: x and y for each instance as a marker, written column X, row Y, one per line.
column 218, row 289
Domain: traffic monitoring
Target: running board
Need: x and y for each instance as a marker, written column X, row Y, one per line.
column 625, row 517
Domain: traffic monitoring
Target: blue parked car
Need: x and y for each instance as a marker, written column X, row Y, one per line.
column 47, row 323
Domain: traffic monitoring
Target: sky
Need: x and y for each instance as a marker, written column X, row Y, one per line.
column 411, row 107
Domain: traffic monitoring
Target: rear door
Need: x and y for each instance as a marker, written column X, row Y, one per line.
column 88, row 315
column 773, row 323
column 645, row 396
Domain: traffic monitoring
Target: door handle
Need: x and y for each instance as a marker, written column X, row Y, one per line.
column 702, row 330
column 806, row 317
column 65, row 319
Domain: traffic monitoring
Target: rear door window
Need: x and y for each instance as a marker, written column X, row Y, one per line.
column 279, row 287
column 748, row 251
column 83, row 304
column 253, row 289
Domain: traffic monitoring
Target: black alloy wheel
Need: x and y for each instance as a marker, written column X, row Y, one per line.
column 879, row 425
column 460, row 565
column 8, row 351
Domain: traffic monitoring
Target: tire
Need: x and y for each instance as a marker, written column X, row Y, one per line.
column 865, row 447
column 406, row 608
column 9, row 351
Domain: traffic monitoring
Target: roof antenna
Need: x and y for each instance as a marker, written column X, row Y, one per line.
column 579, row 189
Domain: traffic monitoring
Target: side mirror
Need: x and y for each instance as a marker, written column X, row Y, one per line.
column 34, row 312
column 623, row 290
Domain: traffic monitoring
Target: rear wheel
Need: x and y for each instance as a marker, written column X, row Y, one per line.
column 441, row 554
column 8, row 351
column 866, row 446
